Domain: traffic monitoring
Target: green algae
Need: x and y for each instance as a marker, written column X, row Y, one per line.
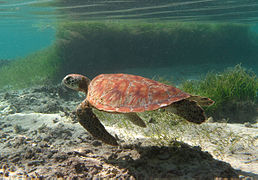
column 92, row 48
column 35, row 69
column 234, row 92
column 112, row 46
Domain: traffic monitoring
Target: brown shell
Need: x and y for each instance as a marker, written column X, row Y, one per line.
column 130, row 93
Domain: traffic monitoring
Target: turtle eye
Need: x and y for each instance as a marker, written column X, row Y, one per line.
column 69, row 80
column 73, row 81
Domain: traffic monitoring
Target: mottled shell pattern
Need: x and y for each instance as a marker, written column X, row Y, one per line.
column 129, row 93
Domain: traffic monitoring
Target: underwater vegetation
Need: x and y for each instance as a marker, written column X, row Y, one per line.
column 108, row 47
column 4, row 62
column 166, row 129
column 112, row 46
column 234, row 92
column 35, row 69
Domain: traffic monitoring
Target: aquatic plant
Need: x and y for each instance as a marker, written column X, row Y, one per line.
column 234, row 91
column 113, row 46
column 166, row 129
column 18, row 129
column 105, row 47
column 35, row 69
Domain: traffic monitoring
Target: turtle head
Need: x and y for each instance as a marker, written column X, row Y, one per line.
column 76, row 82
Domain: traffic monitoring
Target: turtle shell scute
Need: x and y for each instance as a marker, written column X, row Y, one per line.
column 130, row 93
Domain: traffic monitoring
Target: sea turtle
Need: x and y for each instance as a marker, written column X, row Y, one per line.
column 128, row 94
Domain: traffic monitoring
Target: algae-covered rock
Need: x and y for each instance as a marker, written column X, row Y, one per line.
column 105, row 47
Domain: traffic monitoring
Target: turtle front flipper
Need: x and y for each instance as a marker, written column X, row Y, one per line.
column 92, row 124
column 188, row 110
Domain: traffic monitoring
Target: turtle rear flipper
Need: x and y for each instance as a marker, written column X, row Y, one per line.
column 202, row 101
column 92, row 124
column 135, row 119
column 189, row 110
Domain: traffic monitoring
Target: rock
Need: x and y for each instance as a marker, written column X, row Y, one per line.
column 59, row 174
column 50, row 107
column 7, row 109
column 35, row 162
column 60, row 157
column 80, row 168
column 96, row 143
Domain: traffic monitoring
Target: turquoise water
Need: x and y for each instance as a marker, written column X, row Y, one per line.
column 27, row 26
column 30, row 25
column 22, row 38
column 21, row 31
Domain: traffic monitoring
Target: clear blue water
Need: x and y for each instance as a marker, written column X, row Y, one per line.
column 27, row 26
column 22, row 32
column 22, row 39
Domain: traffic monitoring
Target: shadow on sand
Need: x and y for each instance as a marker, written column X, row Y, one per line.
column 177, row 161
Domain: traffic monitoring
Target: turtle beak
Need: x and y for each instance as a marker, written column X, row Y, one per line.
column 65, row 81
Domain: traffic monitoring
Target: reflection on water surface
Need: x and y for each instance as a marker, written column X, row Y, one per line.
column 183, row 10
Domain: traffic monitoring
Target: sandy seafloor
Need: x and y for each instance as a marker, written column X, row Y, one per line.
column 41, row 138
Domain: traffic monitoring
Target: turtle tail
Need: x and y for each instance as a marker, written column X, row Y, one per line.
column 189, row 110
column 92, row 124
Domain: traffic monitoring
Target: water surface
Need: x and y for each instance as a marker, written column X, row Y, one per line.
column 29, row 25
